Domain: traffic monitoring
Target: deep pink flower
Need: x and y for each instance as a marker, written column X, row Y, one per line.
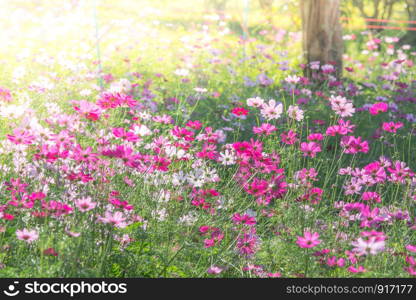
column 371, row 196
column 333, row 261
column 411, row 248
column 247, row 243
column 378, row 107
column 391, row 126
column 410, row 270
column 125, row 135
column 315, row 137
column 21, row 136
column 359, row 269
column 89, row 110
column 244, row 219
column 289, row 137
column 310, row 149
column 194, row 124
column 239, row 111
column 182, row 133
column 353, row 145
column 257, row 187
column 265, row 129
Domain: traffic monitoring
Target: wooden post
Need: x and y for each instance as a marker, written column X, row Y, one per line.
column 322, row 32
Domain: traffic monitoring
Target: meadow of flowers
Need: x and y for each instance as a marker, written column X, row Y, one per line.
column 186, row 149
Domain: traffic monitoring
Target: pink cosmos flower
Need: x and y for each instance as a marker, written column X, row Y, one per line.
column 293, row 79
column 377, row 235
column 274, row 275
column 5, row 95
column 365, row 247
column 125, row 135
column 359, row 269
column 72, row 234
column 29, row 236
column 182, row 133
column 391, row 126
column 194, row 124
column 313, row 195
column 289, row 137
column 244, row 219
column 239, row 111
column 84, row 155
column 308, row 240
column 315, row 137
column 411, row 248
column 378, row 107
column 85, row 204
column 354, row 145
column 265, row 128
column 371, row 196
column 215, row 270
column 21, row 136
column 116, row 219
column 410, row 270
column 333, row 261
column 336, row 129
column 310, row 149
column 399, row 171
column 257, row 187
column 89, row 110
column 247, row 243
column 215, row 238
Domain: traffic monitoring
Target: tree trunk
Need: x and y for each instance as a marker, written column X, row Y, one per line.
column 322, row 32
column 410, row 36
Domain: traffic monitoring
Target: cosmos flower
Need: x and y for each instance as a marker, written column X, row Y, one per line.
column 392, row 126
column 308, row 240
column 294, row 112
column 272, row 110
column 370, row 246
column 378, row 107
column 85, row 204
column 310, row 149
column 29, row 236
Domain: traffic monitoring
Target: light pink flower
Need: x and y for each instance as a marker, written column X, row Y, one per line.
column 272, row 110
column 116, row 219
column 308, row 240
column 371, row 246
column 214, row 270
column 26, row 235
column 85, row 204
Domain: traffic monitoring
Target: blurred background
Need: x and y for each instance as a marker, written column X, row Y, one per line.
column 71, row 33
